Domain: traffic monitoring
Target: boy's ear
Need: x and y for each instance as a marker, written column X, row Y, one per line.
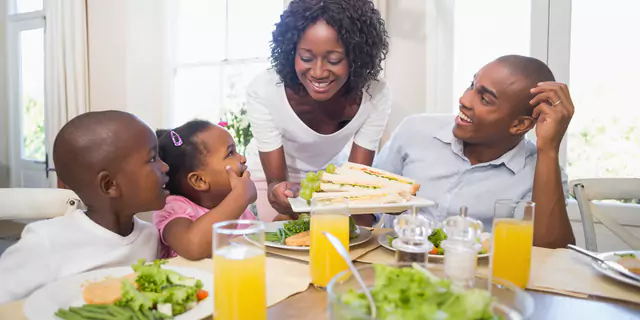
column 108, row 185
column 197, row 181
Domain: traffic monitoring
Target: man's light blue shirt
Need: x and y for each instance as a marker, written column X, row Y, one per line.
column 424, row 148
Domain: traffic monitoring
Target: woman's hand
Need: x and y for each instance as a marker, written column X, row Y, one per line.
column 279, row 194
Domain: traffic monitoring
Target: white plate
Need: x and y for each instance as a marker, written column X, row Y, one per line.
column 611, row 256
column 67, row 292
column 301, row 205
column 363, row 235
column 382, row 239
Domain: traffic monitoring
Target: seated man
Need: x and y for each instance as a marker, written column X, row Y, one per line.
column 485, row 156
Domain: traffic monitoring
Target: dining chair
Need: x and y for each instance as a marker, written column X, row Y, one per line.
column 586, row 191
column 36, row 203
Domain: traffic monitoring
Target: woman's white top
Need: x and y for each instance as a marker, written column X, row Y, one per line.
column 275, row 124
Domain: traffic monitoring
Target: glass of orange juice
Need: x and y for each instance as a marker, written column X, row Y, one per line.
column 330, row 215
column 239, row 273
column 512, row 241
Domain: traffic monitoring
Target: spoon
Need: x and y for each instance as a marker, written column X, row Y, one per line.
column 345, row 255
column 611, row 264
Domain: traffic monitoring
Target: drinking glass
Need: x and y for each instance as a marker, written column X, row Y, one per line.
column 330, row 215
column 512, row 241
column 239, row 273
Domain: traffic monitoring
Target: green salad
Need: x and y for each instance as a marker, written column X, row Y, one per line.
column 437, row 236
column 157, row 294
column 415, row 293
column 294, row 227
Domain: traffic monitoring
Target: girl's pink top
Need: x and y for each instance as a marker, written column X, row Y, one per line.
column 181, row 207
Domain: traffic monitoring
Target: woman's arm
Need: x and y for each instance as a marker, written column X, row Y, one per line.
column 361, row 155
column 279, row 188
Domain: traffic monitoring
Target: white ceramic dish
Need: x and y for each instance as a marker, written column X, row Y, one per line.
column 301, row 206
column 613, row 256
column 384, row 241
column 67, row 292
column 363, row 236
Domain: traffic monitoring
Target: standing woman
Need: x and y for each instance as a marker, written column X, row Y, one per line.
column 322, row 102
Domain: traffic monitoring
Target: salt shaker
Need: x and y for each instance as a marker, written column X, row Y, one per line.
column 412, row 244
column 461, row 248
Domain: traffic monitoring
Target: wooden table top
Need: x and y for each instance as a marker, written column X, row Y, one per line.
column 312, row 305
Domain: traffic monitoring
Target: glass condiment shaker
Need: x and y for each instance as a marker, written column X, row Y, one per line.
column 461, row 248
column 412, row 244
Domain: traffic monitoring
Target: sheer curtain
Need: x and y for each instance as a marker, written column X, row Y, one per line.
column 66, row 66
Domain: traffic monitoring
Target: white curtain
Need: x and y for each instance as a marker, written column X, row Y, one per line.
column 66, row 66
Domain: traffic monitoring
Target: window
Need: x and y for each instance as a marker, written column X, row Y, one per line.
column 480, row 36
column 26, row 74
column 465, row 35
column 604, row 135
column 25, row 6
column 220, row 47
column 26, row 92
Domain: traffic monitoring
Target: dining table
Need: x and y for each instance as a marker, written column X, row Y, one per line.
column 566, row 295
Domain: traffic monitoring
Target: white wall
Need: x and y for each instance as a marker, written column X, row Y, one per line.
column 4, row 104
column 406, row 63
column 129, row 66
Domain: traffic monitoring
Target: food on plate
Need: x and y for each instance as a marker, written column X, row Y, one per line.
column 358, row 183
column 296, row 232
column 107, row 291
column 302, row 239
column 415, row 293
column 152, row 292
column 387, row 179
column 380, row 196
column 438, row 235
column 632, row 264
column 625, row 255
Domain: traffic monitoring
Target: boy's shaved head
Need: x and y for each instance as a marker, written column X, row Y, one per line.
column 91, row 143
column 109, row 159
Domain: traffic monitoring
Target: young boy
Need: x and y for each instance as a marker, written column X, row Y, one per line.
column 110, row 160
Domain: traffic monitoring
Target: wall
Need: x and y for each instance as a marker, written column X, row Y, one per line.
column 406, row 63
column 129, row 66
column 4, row 104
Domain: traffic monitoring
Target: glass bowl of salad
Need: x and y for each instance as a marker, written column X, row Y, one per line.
column 410, row 291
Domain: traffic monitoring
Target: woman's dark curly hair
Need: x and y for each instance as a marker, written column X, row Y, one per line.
column 359, row 26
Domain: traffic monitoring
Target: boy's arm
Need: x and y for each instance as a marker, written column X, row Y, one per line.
column 24, row 267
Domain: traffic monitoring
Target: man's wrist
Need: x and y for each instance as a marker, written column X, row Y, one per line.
column 549, row 153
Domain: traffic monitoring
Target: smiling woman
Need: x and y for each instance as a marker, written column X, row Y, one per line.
column 322, row 103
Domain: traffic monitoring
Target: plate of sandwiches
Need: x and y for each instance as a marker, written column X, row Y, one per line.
column 368, row 189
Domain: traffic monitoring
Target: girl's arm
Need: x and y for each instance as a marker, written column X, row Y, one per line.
column 192, row 239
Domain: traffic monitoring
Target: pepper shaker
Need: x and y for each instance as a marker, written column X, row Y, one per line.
column 412, row 244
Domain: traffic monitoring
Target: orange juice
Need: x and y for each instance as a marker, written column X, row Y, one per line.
column 239, row 281
column 512, row 243
column 324, row 260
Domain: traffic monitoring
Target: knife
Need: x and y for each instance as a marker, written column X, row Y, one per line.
column 610, row 264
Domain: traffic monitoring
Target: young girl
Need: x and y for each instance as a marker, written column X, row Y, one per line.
column 208, row 182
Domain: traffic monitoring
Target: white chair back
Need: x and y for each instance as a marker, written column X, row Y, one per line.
column 586, row 191
column 34, row 203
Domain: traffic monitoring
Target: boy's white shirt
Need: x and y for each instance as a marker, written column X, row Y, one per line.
column 53, row 249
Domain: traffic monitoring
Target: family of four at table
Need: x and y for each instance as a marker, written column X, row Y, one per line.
column 323, row 102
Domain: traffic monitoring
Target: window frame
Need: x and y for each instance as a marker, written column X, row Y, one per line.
column 15, row 24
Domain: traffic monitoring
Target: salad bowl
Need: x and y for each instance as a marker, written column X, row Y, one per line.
column 410, row 291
